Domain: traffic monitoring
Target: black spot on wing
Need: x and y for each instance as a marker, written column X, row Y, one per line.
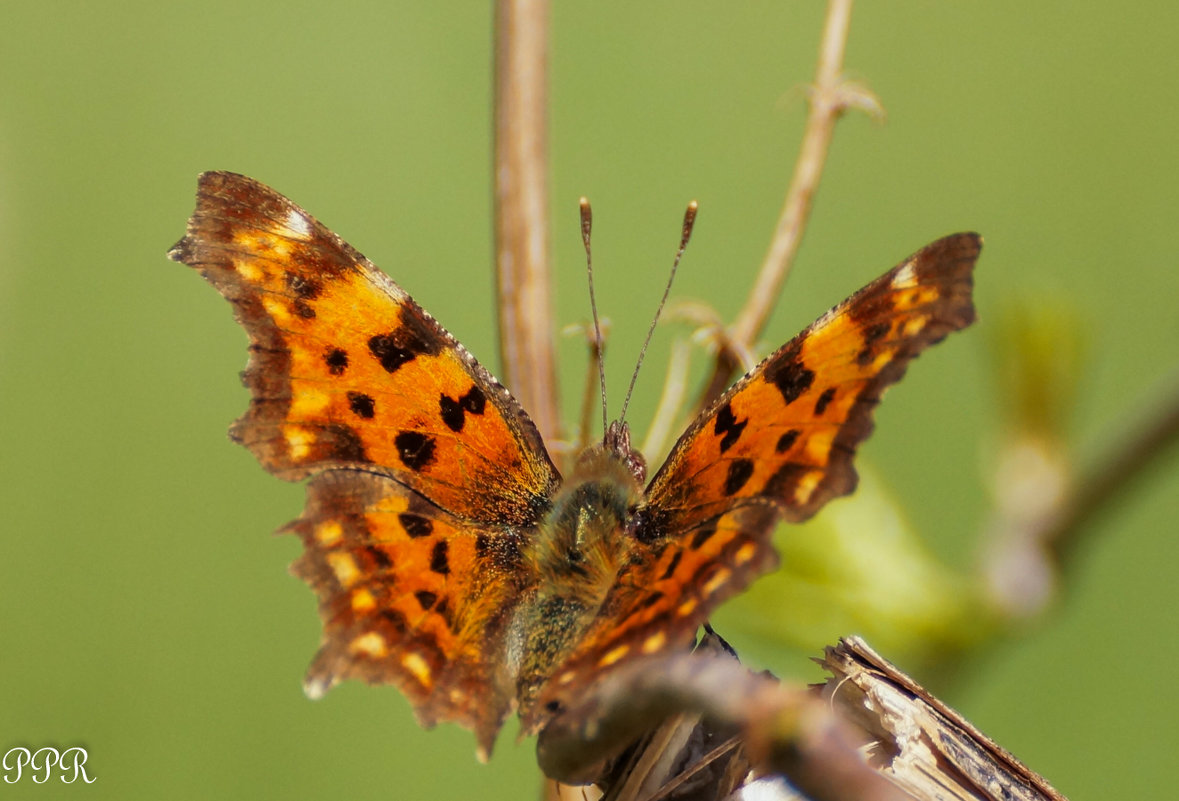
column 426, row 599
column 415, row 449
column 454, row 410
column 727, row 427
column 789, row 374
column 415, row 336
column 824, row 401
column 672, row 565
column 703, row 535
column 336, row 361
column 392, row 352
column 415, row 525
column 452, row 413
column 787, row 440
column 739, row 472
column 361, row 405
column 379, row 557
column 439, row 561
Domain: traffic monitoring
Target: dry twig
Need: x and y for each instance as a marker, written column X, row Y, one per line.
column 916, row 740
column 521, row 209
column 829, row 97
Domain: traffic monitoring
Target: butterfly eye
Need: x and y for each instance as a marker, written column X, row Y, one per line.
column 644, row 525
column 553, row 707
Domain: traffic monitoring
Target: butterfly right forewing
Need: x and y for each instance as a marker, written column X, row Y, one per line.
column 787, row 431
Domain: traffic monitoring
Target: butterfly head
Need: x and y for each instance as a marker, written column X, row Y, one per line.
column 591, row 511
column 617, row 443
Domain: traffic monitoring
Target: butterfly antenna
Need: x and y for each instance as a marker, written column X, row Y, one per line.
column 587, row 223
column 685, row 235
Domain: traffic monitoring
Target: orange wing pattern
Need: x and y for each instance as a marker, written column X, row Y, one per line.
column 662, row 597
column 788, row 430
column 426, row 474
column 409, row 595
column 347, row 371
column 779, row 444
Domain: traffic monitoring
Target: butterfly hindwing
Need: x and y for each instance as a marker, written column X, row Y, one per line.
column 662, row 597
column 408, row 595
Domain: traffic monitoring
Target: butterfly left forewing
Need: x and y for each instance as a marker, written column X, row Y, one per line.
column 346, row 370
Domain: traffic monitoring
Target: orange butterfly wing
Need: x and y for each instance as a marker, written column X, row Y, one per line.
column 425, row 470
column 778, row 444
column 661, row 597
column 788, row 430
column 409, row 595
column 346, row 370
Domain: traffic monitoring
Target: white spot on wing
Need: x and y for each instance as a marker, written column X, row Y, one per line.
column 905, row 277
column 316, row 688
column 298, row 225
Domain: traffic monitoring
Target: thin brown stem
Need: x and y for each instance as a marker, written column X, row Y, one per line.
column 1043, row 511
column 1121, row 466
column 675, row 387
column 829, row 97
column 523, row 275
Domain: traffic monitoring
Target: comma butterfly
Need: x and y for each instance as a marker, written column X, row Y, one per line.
column 450, row 557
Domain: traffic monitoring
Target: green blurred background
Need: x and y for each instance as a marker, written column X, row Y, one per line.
column 146, row 613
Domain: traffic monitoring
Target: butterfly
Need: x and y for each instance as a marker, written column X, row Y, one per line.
column 449, row 556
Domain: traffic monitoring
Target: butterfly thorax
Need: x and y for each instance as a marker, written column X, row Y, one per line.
column 576, row 557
